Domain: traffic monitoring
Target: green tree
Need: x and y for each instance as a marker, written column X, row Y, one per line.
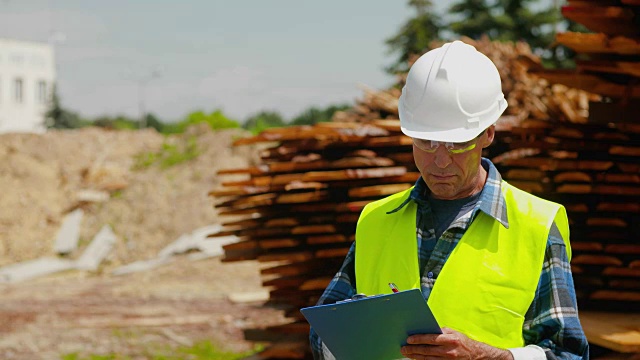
column 414, row 36
column 154, row 122
column 315, row 115
column 60, row 118
column 506, row 20
column 263, row 120
column 118, row 122
column 216, row 121
column 517, row 21
column 475, row 19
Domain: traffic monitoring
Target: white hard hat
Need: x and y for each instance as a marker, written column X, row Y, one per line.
column 452, row 94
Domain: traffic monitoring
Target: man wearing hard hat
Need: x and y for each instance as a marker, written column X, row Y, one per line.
column 491, row 260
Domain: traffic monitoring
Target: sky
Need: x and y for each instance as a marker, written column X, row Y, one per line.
column 240, row 56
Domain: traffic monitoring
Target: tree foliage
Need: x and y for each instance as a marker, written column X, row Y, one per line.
column 503, row 20
column 314, row 115
column 263, row 120
column 414, row 36
column 58, row 117
column 216, row 121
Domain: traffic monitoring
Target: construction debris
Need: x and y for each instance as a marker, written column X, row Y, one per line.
column 69, row 233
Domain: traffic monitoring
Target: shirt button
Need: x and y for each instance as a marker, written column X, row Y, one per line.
column 430, row 275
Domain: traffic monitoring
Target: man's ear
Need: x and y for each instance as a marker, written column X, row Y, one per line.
column 491, row 133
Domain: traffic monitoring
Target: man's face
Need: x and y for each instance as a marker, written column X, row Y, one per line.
column 453, row 176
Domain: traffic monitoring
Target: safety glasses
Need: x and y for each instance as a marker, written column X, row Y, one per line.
column 430, row 146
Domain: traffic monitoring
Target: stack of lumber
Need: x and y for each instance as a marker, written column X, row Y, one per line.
column 296, row 211
column 594, row 171
column 300, row 208
column 607, row 62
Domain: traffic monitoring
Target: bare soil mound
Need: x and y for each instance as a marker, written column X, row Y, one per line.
column 155, row 188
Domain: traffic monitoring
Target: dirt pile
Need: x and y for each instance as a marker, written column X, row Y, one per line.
column 147, row 199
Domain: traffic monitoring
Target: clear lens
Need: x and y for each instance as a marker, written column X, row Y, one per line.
column 453, row 148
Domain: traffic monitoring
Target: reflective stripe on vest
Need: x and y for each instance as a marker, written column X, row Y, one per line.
column 488, row 282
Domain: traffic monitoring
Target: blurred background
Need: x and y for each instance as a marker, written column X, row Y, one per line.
column 181, row 177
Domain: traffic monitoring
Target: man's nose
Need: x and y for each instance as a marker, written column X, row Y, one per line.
column 442, row 157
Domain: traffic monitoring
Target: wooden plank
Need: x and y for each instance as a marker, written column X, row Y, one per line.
column 330, row 253
column 326, row 239
column 348, row 218
column 378, row 190
column 598, row 43
column 617, row 190
column 286, row 256
column 524, row 174
column 250, row 244
column 615, row 295
column 625, row 150
column 609, row 66
column 548, row 164
column 618, row 178
column 309, row 267
column 388, row 141
column 586, row 259
column 354, row 174
column 621, row 271
column 316, row 283
column 614, row 20
column 269, row 244
column 314, row 229
column 572, row 176
column 577, row 208
column 619, row 207
column 622, row 249
column 590, row 83
column 586, row 246
column 389, row 125
column 304, row 197
column 616, row 331
column 240, row 190
column 282, row 222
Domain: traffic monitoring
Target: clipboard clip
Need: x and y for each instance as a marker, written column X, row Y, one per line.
column 354, row 297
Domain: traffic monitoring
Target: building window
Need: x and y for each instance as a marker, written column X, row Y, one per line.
column 18, row 91
column 41, row 96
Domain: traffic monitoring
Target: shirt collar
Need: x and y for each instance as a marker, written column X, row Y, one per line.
column 491, row 202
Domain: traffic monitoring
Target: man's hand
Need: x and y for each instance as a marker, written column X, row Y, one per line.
column 450, row 344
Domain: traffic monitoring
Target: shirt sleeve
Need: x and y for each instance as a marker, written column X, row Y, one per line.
column 552, row 321
column 341, row 287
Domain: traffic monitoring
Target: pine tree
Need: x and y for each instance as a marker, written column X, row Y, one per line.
column 414, row 36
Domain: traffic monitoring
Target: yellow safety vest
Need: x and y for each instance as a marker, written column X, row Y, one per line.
column 488, row 282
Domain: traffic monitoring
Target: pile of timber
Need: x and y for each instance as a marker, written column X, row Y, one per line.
column 607, row 62
column 594, row 171
column 296, row 211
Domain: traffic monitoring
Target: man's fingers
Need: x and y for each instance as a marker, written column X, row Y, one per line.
column 427, row 339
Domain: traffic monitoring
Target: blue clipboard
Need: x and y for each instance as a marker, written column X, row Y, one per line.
column 373, row 327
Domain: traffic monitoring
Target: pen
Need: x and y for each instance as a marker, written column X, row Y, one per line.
column 393, row 287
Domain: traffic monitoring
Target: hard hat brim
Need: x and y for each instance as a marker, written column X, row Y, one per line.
column 455, row 135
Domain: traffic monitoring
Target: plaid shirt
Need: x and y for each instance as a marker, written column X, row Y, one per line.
column 552, row 319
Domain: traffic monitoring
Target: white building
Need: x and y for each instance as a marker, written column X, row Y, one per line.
column 27, row 76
